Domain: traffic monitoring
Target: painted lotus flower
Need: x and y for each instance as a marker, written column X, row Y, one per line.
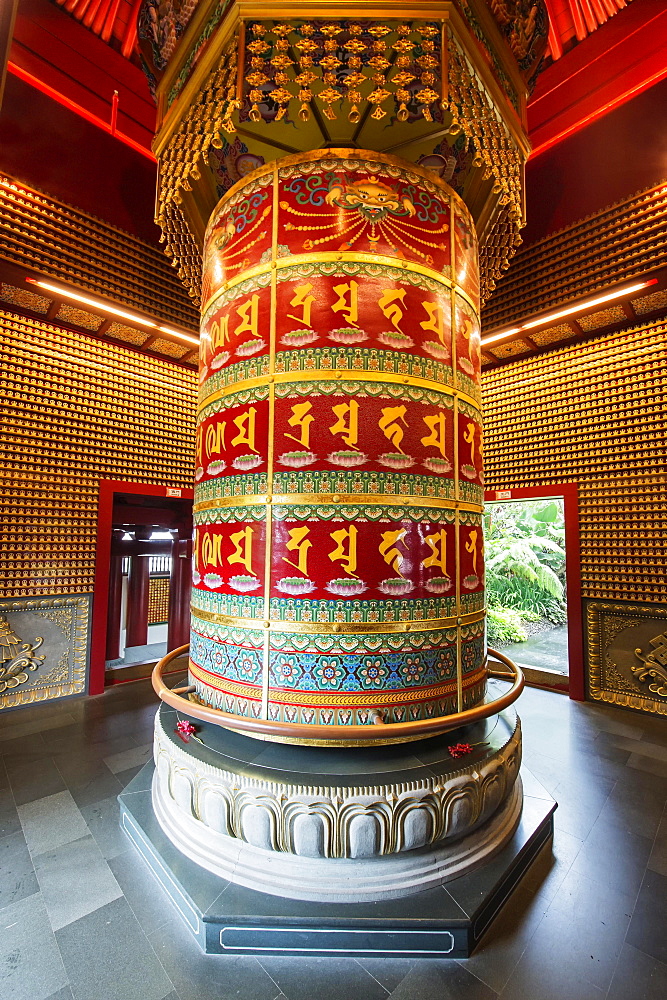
column 436, row 350
column 470, row 582
column 465, row 366
column 347, row 335
column 329, row 673
column 437, row 464
column 203, row 374
column 469, row 471
column 395, row 460
column 199, row 472
column 297, row 459
column 391, row 338
column 348, row 459
column 213, row 581
column 250, row 347
column 346, row 587
column 295, row 585
column 396, row 587
column 412, row 669
column 244, row 583
column 439, row 584
column 373, row 673
column 220, row 360
column 215, row 468
column 244, row 463
column 196, row 577
column 299, row 338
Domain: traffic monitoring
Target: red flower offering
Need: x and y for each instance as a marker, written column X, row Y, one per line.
column 460, row 749
column 185, row 730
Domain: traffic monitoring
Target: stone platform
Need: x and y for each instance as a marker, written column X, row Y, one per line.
column 439, row 906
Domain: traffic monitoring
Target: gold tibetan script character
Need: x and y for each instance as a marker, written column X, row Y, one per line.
column 299, row 543
column 437, row 542
column 249, row 315
column 348, row 422
column 346, row 549
column 391, row 309
column 302, row 418
column 436, row 438
column 469, row 438
column 436, row 321
column 215, row 438
column 304, row 301
column 388, row 550
column 242, row 542
column 211, row 546
column 246, row 425
column 390, row 427
column 347, row 302
column 471, row 547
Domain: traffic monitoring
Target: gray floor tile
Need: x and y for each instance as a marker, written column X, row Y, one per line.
column 125, row 777
column 64, row 994
column 9, row 817
column 647, row 928
column 648, row 763
column 501, row 948
column 658, row 859
column 389, row 972
column 135, row 757
column 107, row 957
column 150, row 903
column 630, row 853
column 51, row 821
column 34, row 779
column 440, row 981
column 212, row 977
column 13, row 732
column 74, row 880
column 589, row 921
column 324, row 978
column 638, row 977
column 17, row 876
column 103, row 822
column 30, row 963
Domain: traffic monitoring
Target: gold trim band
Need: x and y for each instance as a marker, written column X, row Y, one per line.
column 339, row 257
column 340, row 375
column 339, row 628
column 357, row 499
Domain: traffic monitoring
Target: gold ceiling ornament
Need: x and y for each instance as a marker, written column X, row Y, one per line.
column 439, row 86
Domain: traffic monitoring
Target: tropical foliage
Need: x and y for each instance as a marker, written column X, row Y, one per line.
column 525, row 566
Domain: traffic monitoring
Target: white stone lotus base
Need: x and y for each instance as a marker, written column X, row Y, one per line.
column 336, row 880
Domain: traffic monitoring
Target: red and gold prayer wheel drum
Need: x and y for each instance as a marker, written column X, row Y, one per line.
column 338, row 567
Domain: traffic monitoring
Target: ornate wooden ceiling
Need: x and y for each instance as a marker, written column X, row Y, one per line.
column 115, row 21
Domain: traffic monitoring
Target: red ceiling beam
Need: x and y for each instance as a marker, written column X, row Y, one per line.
column 604, row 71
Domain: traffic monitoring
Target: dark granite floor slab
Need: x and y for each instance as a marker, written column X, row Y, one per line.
column 547, row 943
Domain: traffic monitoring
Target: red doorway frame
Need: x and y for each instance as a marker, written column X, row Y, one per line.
column 103, row 561
column 569, row 493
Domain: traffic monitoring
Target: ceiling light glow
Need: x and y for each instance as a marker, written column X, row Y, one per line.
column 570, row 311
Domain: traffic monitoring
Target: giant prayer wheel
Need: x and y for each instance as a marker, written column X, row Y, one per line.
column 338, row 564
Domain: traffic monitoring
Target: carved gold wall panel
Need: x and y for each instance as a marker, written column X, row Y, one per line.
column 627, row 655
column 74, row 411
column 43, row 649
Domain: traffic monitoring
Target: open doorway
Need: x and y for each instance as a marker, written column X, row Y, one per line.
column 532, row 583
column 142, row 580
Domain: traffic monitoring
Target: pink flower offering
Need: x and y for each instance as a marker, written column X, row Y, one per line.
column 460, row 749
column 185, row 730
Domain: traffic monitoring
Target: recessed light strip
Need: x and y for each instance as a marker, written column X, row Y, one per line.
column 570, row 311
column 104, row 307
